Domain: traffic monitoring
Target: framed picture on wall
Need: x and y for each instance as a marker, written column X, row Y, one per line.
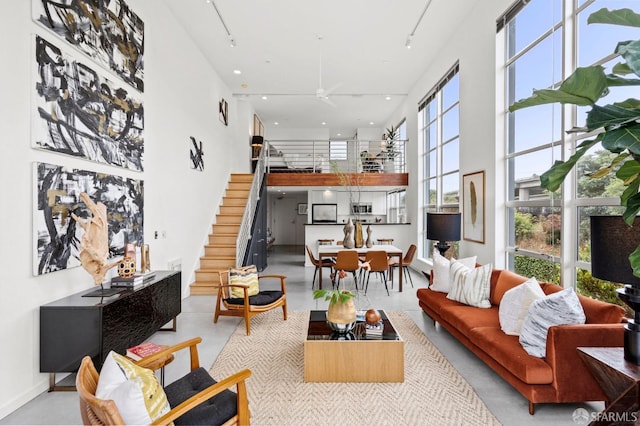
column 473, row 207
column 302, row 208
column 223, row 109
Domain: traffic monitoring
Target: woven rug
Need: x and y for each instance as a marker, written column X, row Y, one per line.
column 433, row 392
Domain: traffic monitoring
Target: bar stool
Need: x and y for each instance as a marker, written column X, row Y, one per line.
column 384, row 241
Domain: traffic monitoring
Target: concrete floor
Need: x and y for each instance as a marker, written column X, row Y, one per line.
column 61, row 408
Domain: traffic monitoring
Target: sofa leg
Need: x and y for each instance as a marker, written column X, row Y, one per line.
column 532, row 408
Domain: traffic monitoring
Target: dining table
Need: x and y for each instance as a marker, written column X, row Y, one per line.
column 332, row 251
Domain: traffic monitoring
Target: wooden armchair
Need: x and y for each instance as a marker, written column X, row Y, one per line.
column 206, row 397
column 249, row 306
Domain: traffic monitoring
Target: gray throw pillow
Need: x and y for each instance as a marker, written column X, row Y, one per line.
column 558, row 308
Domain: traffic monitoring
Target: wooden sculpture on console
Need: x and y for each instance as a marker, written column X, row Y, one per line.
column 95, row 240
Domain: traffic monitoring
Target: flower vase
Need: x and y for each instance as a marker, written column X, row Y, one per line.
column 369, row 243
column 341, row 316
column 359, row 242
column 348, row 235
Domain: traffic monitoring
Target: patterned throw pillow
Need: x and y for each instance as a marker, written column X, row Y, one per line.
column 246, row 275
column 135, row 390
column 558, row 308
column 441, row 270
column 471, row 286
column 515, row 304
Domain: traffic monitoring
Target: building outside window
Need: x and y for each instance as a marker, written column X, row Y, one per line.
column 548, row 234
column 439, row 134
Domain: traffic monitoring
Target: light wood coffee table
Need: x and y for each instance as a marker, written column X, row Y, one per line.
column 329, row 357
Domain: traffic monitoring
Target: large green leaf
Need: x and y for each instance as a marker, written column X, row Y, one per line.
column 610, row 115
column 633, row 207
column 626, row 137
column 584, row 87
column 626, row 17
column 614, row 80
column 634, row 259
column 621, row 68
column 553, row 178
column 630, row 103
column 630, row 51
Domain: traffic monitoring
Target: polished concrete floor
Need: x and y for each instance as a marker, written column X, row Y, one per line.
column 61, row 408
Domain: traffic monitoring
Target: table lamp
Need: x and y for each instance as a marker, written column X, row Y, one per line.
column 612, row 241
column 443, row 227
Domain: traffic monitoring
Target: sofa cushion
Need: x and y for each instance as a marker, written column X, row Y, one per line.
column 435, row 300
column 507, row 351
column 505, row 282
column 515, row 304
column 470, row 285
column 558, row 308
column 596, row 311
column 441, row 271
column 465, row 318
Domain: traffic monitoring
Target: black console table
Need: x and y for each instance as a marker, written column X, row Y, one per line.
column 76, row 326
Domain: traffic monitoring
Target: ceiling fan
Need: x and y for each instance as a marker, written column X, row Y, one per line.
column 322, row 93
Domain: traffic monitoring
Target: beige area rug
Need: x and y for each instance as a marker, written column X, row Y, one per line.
column 433, row 392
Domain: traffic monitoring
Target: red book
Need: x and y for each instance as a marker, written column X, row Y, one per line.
column 142, row 350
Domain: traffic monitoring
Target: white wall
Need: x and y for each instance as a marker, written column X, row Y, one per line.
column 180, row 100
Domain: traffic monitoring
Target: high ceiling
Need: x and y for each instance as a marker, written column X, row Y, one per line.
column 360, row 44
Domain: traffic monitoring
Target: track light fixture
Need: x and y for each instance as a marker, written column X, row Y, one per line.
column 232, row 41
column 407, row 43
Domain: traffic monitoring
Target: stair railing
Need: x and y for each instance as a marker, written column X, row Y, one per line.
column 244, row 234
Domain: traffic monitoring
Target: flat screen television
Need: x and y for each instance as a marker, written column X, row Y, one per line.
column 324, row 213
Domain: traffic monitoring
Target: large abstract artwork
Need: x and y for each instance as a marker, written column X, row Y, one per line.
column 76, row 111
column 106, row 30
column 57, row 195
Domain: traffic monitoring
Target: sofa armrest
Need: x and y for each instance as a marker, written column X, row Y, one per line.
column 571, row 377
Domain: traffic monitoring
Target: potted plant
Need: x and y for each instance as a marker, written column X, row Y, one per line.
column 617, row 124
column 390, row 148
column 341, row 313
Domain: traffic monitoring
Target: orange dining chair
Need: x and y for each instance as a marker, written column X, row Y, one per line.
column 378, row 262
column 406, row 261
column 326, row 263
column 346, row 260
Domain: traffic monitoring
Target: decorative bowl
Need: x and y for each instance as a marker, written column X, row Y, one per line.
column 341, row 328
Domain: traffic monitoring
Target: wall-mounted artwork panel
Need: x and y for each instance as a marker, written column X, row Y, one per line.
column 106, row 30
column 77, row 111
column 57, row 195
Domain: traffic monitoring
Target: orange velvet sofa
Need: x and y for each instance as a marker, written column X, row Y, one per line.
column 559, row 377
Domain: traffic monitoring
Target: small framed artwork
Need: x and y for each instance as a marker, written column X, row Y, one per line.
column 302, row 208
column 223, row 109
column 473, row 207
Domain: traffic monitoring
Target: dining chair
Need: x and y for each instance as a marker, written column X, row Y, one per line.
column 377, row 261
column 406, row 261
column 346, row 260
column 326, row 263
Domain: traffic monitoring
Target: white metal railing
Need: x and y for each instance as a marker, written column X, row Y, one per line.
column 324, row 156
column 244, row 233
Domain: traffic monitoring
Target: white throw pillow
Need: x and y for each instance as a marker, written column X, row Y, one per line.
column 515, row 304
column 135, row 390
column 441, row 270
column 558, row 308
column 471, row 286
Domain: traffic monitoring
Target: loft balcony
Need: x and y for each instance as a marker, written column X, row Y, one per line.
column 332, row 163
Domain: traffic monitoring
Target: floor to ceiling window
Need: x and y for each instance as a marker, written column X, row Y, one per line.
column 439, row 133
column 548, row 234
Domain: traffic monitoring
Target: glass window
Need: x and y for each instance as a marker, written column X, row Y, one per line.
column 338, row 150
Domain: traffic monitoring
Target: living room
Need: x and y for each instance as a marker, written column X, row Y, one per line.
column 182, row 94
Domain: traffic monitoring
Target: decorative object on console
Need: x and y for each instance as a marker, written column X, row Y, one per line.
column 127, row 267
column 443, row 227
column 145, row 261
column 369, row 242
column 348, row 241
column 372, row 316
column 612, row 241
column 473, row 206
column 341, row 313
column 357, row 238
column 95, row 240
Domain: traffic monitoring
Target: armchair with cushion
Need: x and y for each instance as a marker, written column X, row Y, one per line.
column 239, row 294
column 127, row 391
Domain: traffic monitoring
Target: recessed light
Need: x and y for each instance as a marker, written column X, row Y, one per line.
column 237, row 72
column 275, row 123
column 244, row 85
column 339, row 134
column 324, row 123
column 387, row 98
column 371, row 123
column 264, row 98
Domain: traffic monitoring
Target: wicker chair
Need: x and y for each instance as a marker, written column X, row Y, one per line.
column 249, row 306
column 205, row 395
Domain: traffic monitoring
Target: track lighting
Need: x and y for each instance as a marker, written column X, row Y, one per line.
column 407, row 43
column 232, row 41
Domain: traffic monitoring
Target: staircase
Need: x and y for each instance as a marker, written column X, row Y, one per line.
column 220, row 252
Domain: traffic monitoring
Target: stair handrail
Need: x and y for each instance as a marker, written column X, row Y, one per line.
column 244, row 233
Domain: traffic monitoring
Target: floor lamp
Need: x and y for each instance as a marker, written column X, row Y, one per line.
column 612, row 241
column 443, row 227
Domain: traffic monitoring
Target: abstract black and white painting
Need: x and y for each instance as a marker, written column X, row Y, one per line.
column 57, row 195
column 106, row 30
column 77, row 111
column 196, row 155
